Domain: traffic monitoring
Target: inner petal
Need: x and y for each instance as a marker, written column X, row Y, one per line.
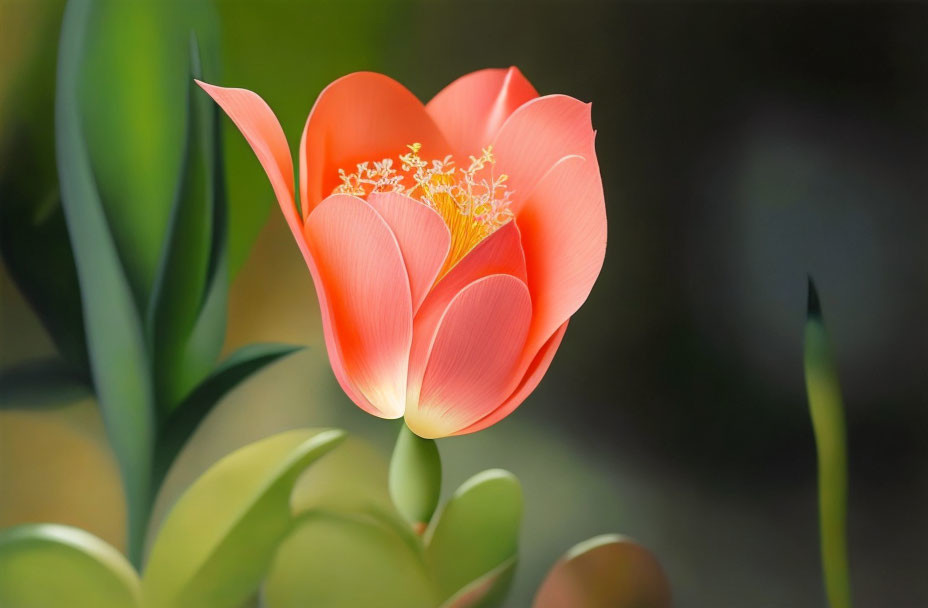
column 472, row 201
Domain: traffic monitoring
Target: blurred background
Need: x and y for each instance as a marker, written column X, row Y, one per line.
column 741, row 147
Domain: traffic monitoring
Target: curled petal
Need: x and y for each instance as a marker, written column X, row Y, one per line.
column 472, row 360
column 364, row 296
column 471, row 110
column 261, row 129
column 358, row 118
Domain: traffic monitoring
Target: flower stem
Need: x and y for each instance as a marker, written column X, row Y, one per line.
column 415, row 478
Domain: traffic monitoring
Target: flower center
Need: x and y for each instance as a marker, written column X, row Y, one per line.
column 473, row 202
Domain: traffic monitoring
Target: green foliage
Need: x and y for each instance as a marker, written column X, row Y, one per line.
column 185, row 419
column 476, row 532
column 826, row 407
column 218, row 541
column 43, row 565
column 115, row 339
column 343, row 560
column 415, row 477
column 133, row 87
column 190, row 288
column 608, row 571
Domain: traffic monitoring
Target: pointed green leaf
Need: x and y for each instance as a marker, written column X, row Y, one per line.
column 187, row 417
column 476, row 532
column 218, row 541
column 46, row 565
column 342, row 560
column 133, row 78
column 827, row 409
column 186, row 315
column 40, row 384
column 115, row 338
column 608, row 571
column 415, row 477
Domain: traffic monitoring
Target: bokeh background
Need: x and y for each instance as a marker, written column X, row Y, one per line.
column 741, row 146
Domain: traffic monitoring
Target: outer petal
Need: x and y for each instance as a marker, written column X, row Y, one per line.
column 473, row 358
column 471, row 110
column 358, row 118
column 536, row 371
column 563, row 224
column 261, row 129
column 499, row 253
column 422, row 235
column 363, row 292
column 536, row 136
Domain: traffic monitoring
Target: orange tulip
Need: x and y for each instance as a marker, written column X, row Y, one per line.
column 449, row 243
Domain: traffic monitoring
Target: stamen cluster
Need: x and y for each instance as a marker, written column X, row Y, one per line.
column 473, row 202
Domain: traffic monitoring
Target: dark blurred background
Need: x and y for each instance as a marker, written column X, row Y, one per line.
column 742, row 147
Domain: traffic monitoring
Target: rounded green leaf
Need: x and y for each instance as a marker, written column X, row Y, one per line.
column 415, row 477
column 608, row 571
column 218, row 541
column 476, row 532
column 336, row 560
column 50, row 565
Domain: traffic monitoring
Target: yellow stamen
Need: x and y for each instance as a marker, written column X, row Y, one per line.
column 472, row 202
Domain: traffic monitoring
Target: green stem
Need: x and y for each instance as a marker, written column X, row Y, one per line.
column 827, row 410
column 415, row 477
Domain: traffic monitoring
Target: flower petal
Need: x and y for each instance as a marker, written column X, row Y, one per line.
column 536, row 371
column 358, row 118
column 423, row 238
column 536, row 136
column 364, row 296
column 261, row 129
column 470, row 110
column 499, row 253
column 472, row 361
column 563, row 224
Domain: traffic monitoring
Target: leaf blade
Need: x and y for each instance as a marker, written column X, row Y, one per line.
column 476, row 531
column 115, row 338
column 826, row 407
column 219, row 539
column 56, row 565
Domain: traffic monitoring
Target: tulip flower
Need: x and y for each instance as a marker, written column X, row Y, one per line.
column 449, row 243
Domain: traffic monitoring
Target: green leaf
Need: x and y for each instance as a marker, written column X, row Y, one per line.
column 415, row 477
column 340, row 560
column 40, row 384
column 219, row 539
column 189, row 295
column 608, row 571
column 134, row 78
column 476, row 532
column 827, row 409
column 50, row 565
column 115, row 339
column 185, row 419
